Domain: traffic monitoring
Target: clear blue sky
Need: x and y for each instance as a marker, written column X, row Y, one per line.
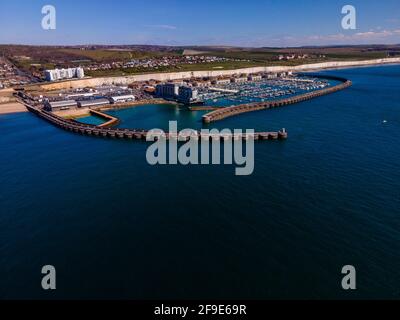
column 200, row 22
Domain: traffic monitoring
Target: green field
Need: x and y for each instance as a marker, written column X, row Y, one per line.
column 268, row 55
column 228, row 65
column 36, row 59
column 111, row 55
column 255, row 57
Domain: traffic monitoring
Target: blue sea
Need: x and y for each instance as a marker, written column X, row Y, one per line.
column 115, row 227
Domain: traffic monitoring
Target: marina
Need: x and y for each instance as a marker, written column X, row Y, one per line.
column 287, row 87
column 260, row 91
column 310, row 90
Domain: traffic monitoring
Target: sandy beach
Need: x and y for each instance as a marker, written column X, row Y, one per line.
column 12, row 107
column 8, row 103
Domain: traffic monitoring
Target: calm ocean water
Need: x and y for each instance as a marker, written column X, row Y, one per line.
column 115, row 227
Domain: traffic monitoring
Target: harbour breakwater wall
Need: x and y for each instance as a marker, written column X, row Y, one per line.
column 110, row 120
column 140, row 134
column 223, row 113
column 92, row 82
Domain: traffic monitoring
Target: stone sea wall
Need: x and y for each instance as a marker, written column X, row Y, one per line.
column 90, row 82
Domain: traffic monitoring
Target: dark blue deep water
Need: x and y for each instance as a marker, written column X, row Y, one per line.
column 115, row 227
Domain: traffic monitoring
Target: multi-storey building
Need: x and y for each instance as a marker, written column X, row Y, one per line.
column 61, row 74
column 167, row 90
column 188, row 95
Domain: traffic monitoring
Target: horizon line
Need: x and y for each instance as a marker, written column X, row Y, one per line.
column 199, row 46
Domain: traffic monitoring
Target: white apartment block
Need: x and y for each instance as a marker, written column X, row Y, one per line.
column 61, row 74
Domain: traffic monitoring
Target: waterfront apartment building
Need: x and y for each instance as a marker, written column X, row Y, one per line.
column 188, row 95
column 239, row 80
column 254, row 77
column 61, row 74
column 167, row 90
column 221, row 81
column 271, row 75
column 202, row 84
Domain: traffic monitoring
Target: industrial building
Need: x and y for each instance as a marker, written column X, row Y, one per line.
column 93, row 103
column 122, row 99
column 61, row 74
column 60, row 105
column 81, row 95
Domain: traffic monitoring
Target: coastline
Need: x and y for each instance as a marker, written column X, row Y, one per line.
column 12, row 107
column 8, row 103
column 356, row 66
column 126, row 80
column 16, row 107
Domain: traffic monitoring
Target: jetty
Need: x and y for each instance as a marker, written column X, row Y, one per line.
column 203, row 108
column 141, row 134
column 110, row 120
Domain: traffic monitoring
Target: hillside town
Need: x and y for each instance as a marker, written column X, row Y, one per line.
column 158, row 62
column 10, row 75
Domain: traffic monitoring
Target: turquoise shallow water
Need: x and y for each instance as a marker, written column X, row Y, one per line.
column 115, row 227
column 91, row 120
